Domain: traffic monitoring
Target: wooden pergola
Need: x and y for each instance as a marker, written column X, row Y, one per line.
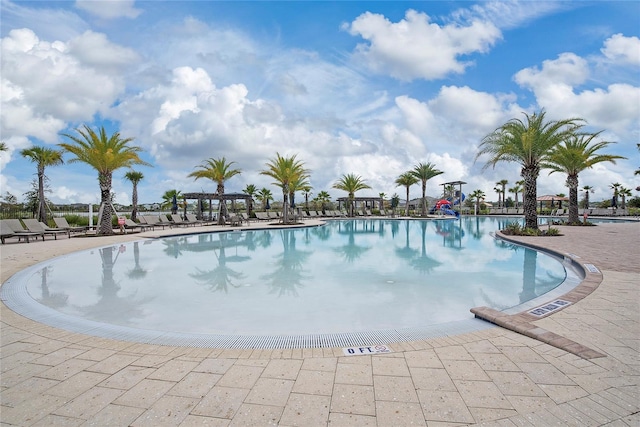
column 367, row 202
column 201, row 197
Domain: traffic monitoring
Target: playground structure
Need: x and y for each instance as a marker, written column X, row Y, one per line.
column 446, row 204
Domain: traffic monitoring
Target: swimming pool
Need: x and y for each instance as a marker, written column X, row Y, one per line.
column 347, row 282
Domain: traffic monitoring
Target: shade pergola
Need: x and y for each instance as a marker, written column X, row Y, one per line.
column 366, row 201
column 551, row 199
column 200, row 197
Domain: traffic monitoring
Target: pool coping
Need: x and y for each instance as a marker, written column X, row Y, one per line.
column 522, row 322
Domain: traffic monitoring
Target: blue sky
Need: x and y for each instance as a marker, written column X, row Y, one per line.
column 370, row 88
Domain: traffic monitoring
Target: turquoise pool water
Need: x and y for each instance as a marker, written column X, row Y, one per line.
column 348, row 276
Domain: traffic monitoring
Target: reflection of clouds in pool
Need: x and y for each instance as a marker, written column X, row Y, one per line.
column 318, row 280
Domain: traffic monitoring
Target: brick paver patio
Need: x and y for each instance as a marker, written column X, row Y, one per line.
column 495, row 377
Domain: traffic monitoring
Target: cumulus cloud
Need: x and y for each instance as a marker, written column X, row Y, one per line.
column 623, row 50
column 109, row 9
column 416, row 48
column 615, row 107
column 48, row 84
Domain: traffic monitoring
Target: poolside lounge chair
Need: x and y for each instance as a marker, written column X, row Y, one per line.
column 154, row 221
column 130, row 224
column 62, row 224
column 36, row 226
column 6, row 233
column 262, row 216
column 192, row 219
column 273, row 215
column 177, row 220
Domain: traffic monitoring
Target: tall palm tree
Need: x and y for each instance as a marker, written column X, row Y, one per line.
column 527, row 143
column 498, row 190
column 218, row 171
column 616, row 192
column 637, row 172
column 251, row 190
column 424, row 172
column 571, row 157
column 517, row 188
column 105, row 154
column 624, row 193
column 135, row 177
column 503, row 189
column 286, row 171
column 306, row 190
column 3, row 146
column 350, row 183
column 406, row 180
column 42, row 157
column 587, row 189
column 477, row 196
column 264, row 195
column 323, row 197
column 382, row 197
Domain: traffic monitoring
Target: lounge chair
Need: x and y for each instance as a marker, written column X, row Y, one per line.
column 62, row 224
column 6, row 233
column 177, row 220
column 130, row 224
column 262, row 216
column 192, row 219
column 245, row 217
column 154, row 221
column 273, row 215
column 36, row 226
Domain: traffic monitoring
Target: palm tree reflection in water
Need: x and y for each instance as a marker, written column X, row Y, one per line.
column 222, row 276
column 287, row 278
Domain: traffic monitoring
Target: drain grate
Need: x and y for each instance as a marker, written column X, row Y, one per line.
column 549, row 308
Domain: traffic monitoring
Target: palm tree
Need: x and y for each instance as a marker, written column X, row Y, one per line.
column 350, row 183
column 587, row 189
column 503, row 189
column 323, row 197
column 477, row 196
column 3, row 146
column 424, row 172
column 251, row 190
column 527, row 143
column 515, row 190
column 382, row 197
column 407, row 179
column 616, row 192
column 571, row 157
column 306, row 190
column 135, row 177
column 286, row 171
column 218, row 171
column 624, row 193
column 499, row 191
column 264, row 195
column 637, row 172
column 42, row 157
column 106, row 154
column 167, row 198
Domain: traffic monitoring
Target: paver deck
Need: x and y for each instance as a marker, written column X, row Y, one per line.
column 495, row 377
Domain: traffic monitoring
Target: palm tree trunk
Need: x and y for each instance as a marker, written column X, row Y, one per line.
column 42, row 213
column 406, row 205
column 531, row 194
column 134, row 202
column 105, row 227
column 423, row 205
column 222, row 206
column 572, row 183
column 285, row 205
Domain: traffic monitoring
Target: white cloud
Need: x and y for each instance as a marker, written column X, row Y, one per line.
column 109, row 9
column 623, row 50
column 417, row 48
column 615, row 107
column 45, row 85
